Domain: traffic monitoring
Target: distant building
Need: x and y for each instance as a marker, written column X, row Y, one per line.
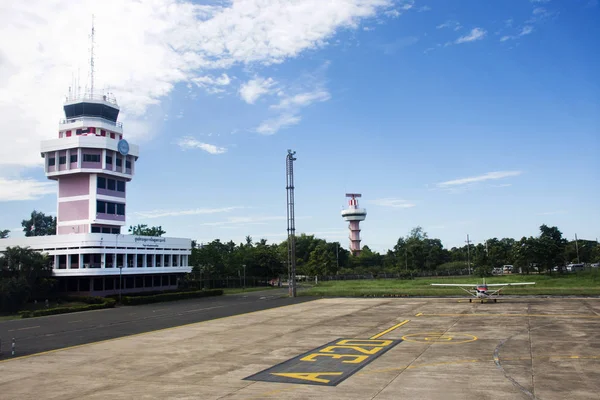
column 353, row 214
column 93, row 163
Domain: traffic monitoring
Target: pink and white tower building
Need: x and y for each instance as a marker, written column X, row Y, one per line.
column 92, row 164
column 353, row 214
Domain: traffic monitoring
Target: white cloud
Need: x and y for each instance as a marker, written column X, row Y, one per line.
column 307, row 90
column 178, row 213
column 424, row 8
column 392, row 13
column 479, row 178
column 24, row 189
column 540, row 1
column 302, row 99
column 272, row 125
column 188, row 142
column 454, row 25
column 211, row 84
column 526, row 30
column 143, row 49
column 237, row 222
column 475, row 34
column 249, row 220
column 391, row 202
column 255, row 88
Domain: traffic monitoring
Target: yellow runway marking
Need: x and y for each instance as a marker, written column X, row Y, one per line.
column 135, row 334
column 380, row 334
column 439, row 337
column 481, row 360
column 511, row 315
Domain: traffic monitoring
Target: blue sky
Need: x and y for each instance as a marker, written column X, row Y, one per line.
column 463, row 117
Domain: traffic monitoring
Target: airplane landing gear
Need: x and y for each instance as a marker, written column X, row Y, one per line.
column 470, row 300
column 495, row 300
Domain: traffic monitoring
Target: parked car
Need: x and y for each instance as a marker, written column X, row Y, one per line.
column 575, row 267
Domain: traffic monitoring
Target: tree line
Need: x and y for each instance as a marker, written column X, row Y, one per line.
column 414, row 253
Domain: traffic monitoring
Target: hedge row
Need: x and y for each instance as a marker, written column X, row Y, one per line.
column 92, row 305
column 134, row 300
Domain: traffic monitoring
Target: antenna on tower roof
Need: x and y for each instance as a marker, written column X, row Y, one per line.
column 92, row 60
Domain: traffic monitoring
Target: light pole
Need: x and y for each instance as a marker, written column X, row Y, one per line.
column 244, row 266
column 119, row 266
column 120, row 281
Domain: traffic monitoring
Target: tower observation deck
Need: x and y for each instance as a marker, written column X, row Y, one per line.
column 353, row 214
column 92, row 164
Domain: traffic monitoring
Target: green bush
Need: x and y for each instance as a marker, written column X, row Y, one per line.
column 133, row 300
column 85, row 299
column 106, row 303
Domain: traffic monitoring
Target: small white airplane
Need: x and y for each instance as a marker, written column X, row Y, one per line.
column 480, row 291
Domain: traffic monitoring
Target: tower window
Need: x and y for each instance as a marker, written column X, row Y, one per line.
column 111, row 184
column 110, row 208
column 101, row 183
column 73, row 158
column 120, row 186
column 62, row 159
column 119, row 162
column 120, row 209
column 51, row 161
column 128, row 164
column 91, row 157
column 101, row 207
column 109, row 160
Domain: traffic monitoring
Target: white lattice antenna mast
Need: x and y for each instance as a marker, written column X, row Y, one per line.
column 92, row 60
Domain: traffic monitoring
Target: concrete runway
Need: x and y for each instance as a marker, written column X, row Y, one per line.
column 34, row 335
column 437, row 349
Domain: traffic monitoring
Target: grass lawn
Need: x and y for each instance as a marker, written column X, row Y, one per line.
column 584, row 283
column 9, row 317
column 252, row 289
column 40, row 305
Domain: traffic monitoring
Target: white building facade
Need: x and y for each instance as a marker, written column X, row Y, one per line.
column 99, row 264
column 93, row 165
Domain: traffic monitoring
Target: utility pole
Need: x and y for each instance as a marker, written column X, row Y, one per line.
column 291, row 222
column 406, row 258
column 468, row 254
column 337, row 256
column 577, row 249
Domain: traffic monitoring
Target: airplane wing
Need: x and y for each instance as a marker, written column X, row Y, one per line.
column 511, row 284
column 454, row 284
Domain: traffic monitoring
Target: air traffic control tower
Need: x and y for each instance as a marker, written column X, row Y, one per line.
column 354, row 215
